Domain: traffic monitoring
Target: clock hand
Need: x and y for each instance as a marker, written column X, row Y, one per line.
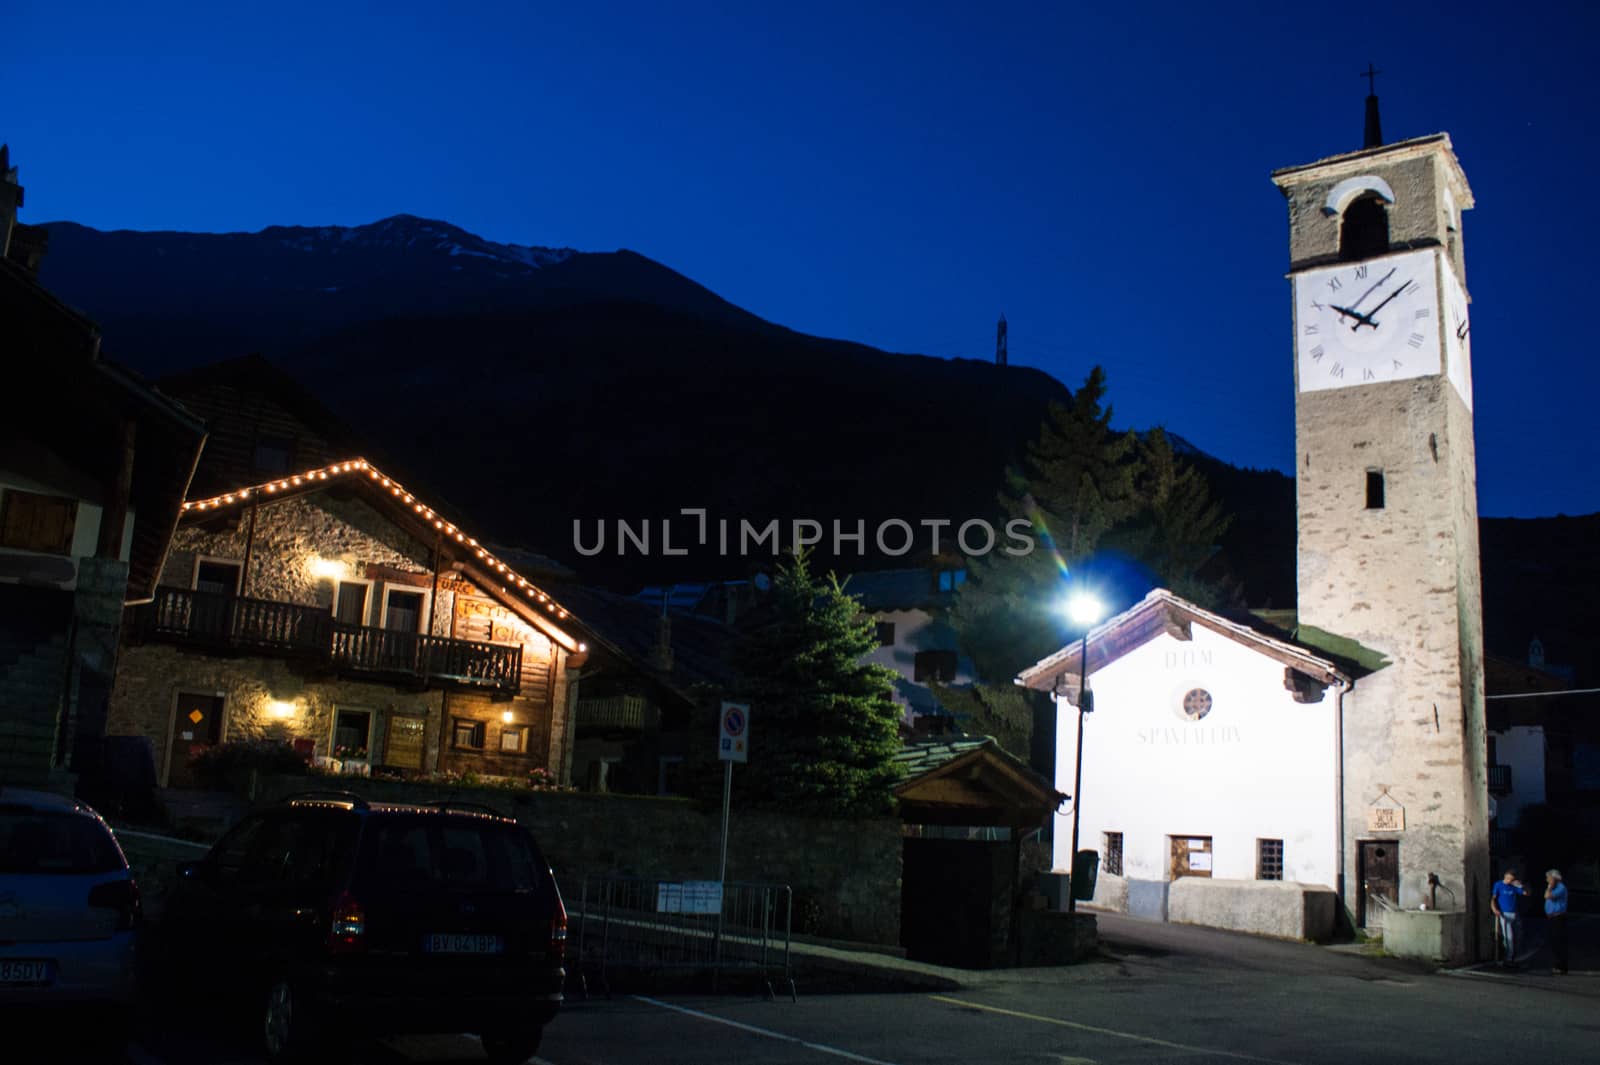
column 1375, row 286
column 1369, row 318
column 1350, row 312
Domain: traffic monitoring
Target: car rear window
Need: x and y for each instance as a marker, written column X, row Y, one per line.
column 407, row 852
column 32, row 841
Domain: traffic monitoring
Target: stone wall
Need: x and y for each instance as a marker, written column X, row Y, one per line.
column 845, row 874
column 1278, row 908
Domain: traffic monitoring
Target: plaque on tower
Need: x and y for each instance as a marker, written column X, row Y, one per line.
column 1386, row 819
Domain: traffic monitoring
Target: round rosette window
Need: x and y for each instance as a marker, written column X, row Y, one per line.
column 1195, row 705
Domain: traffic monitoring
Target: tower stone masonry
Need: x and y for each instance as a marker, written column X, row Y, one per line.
column 1387, row 518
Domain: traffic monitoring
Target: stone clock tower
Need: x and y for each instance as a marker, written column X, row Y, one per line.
column 1386, row 488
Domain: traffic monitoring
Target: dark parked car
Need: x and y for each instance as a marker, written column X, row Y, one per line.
column 337, row 919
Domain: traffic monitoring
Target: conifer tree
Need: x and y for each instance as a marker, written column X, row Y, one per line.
column 1181, row 523
column 824, row 726
column 1077, row 484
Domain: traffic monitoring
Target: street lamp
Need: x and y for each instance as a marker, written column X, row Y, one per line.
column 1084, row 609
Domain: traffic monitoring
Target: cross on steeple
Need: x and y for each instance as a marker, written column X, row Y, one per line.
column 1372, row 135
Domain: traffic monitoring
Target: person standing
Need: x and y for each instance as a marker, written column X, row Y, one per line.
column 1503, row 901
column 1555, row 917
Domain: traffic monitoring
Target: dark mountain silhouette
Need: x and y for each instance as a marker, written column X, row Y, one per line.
column 533, row 387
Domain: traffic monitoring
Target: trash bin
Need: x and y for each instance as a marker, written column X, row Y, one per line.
column 1085, row 871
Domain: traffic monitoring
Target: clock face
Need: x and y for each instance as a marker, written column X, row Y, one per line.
column 1367, row 322
column 1457, row 337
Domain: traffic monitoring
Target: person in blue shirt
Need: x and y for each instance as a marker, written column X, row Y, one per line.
column 1503, row 901
column 1555, row 913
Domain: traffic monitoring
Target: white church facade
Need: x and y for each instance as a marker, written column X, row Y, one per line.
column 1343, row 758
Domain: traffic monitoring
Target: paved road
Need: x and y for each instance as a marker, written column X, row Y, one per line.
column 1163, row 994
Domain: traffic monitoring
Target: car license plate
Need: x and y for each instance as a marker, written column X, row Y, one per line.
column 462, row 943
column 24, row 971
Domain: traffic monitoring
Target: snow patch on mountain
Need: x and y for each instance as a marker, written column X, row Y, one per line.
column 413, row 234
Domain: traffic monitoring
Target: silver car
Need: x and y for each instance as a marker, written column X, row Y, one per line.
column 68, row 904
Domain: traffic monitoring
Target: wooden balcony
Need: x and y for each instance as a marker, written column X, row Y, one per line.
column 227, row 624
column 627, row 713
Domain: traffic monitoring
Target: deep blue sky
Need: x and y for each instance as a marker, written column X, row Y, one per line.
column 897, row 174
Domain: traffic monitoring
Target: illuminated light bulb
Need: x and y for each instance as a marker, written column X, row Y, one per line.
column 387, row 482
column 561, row 613
column 228, row 498
column 409, row 499
column 505, row 715
column 244, row 493
column 471, row 541
column 550, row 607
column 583, row 647
column 296, row 480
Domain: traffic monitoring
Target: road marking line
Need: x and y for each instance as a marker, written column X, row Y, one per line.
column 1109, row 1031
column 835, row 1051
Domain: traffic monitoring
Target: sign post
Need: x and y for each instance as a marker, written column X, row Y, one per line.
column 733, row 745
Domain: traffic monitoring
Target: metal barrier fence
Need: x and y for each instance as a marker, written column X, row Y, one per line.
column 643, row 923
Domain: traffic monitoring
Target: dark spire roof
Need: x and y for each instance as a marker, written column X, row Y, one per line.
column 1372, row 136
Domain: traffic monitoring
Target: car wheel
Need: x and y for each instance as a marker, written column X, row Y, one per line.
column 512, row 1048
column 288, row 1027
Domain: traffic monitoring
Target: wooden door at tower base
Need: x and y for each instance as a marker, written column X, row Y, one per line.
column 1378, row 869
column 1191, row 856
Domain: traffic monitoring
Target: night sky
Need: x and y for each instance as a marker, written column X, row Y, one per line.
column 898, row 175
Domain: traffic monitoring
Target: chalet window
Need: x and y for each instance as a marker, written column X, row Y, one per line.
column 468, row 735
column 669, row 775
column 1374, row 489
column 1269, row 859
column 937, row 666
column 217, row 576
column 352, row 731
column 1364, row 231
column 885, row 632
column 33, row 522
column 274, row 454
column 514, row 740
column 350, row 606
column 403, row 611
column 1113, row 862
column 948, row 580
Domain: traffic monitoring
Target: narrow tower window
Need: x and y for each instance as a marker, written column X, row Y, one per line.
column 1374, row 489
column 1364, row 231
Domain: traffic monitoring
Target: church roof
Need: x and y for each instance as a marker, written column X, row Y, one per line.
column 1162, row 612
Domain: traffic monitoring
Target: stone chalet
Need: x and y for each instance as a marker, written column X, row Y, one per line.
column 335, row 609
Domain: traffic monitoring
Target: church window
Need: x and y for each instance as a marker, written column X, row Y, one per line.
column 1113, row 862
column 1364, row 229
column 1374, row 489
column 1269, row 859
column 1196, row 704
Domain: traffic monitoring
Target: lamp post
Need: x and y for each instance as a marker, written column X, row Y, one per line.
column 1085, row 610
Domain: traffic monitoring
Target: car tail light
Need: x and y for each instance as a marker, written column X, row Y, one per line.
column 558, row 932
column 119, row 895
column 347, row 933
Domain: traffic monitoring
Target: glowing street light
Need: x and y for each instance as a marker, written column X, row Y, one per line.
column 1085, row 609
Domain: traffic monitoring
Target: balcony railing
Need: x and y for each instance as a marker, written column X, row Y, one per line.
column 224, row 623
column 629, row 712
column 470, row 663
column 1499, row 780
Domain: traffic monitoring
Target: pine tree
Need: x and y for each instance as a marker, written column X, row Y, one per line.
column 824, row 726
column 1181, row 522
column 1078, row 483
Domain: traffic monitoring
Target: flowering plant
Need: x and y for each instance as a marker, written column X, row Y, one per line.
column 350, row 752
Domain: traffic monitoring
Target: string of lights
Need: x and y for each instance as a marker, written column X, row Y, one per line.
column 359, row 466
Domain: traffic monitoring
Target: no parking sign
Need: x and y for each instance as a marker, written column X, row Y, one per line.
column 734, row 743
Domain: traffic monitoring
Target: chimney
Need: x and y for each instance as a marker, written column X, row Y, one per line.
column 10, row 199
column 22, row 244
column 661, row 653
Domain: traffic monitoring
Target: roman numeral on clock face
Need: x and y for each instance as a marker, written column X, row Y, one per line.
column 1368, row 375
column 1337, row 369
column 1312, row 330
column 1423, row 312
column 1334, row 284
column 1415, row 340
column 1317, row 353
column 1361, row 272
